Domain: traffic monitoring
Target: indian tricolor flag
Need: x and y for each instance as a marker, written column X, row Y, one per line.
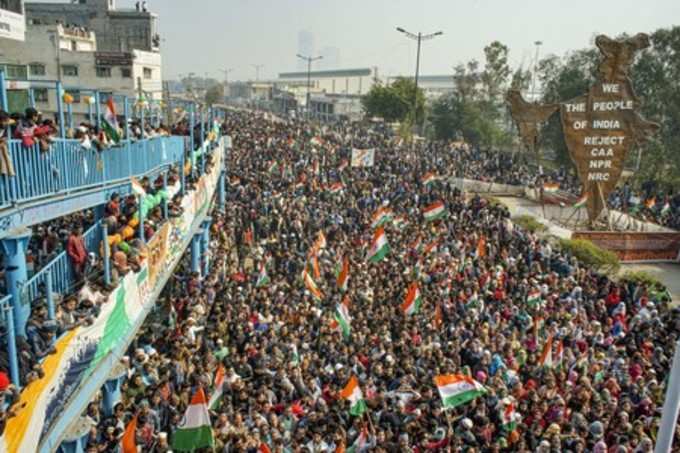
column 272, row 167
column 352, row 393
column 551, row 187
column 320, row 241
column 316, row 141
column 546, row 358
column 380, row 216
column 343, row 319
column 311, row 286
column 457, row 389
column 379, row 247
column 218, row 385
column 110, row 123
column 510, row 417
column 263, row 277
column 434, row 211
column 411, row 304
column 533, row 298
column 581, row 202
column 336, row 188
column 399, row 222
column 343, row 276
column 194, row 431
column 429, row 178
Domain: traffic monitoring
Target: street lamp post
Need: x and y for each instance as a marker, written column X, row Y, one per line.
column 419, row 38
column 309, row 61
column 533, row 75
column 226, row 80
column 257, row 70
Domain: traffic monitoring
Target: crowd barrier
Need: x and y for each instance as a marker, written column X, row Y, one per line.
column 84, row 355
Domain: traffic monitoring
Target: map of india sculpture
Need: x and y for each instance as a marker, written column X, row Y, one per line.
column 600, row 127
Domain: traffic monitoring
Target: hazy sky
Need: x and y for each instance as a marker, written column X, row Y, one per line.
column 208, row 35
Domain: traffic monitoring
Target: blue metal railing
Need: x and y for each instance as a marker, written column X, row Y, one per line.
column 60, row 271
column 68, row 167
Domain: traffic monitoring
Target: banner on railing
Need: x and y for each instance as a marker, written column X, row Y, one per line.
column 79, row 352
column 157, row 248
column 636, row 246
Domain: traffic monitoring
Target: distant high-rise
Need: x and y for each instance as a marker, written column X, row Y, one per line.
column 305, row 47
column 331, row 58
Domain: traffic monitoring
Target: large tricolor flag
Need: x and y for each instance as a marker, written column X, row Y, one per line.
column 343, row 276
column 429, row 178
column 457, row 389
column 379, row 247
column 110, row 123
column 218, row 385
column 380, row 216
column 343, row 319
column 411, row 304
column 194, row 431
column 311, row 286
column 352, row 392
column 546, row 355
column 435, row 211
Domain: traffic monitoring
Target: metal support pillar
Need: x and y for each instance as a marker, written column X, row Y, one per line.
column 60, row 110
column 11, row 343
column 221, row 192
column 49, row 296
column 140, row 216
column 196, row 252
column 106, row 254
column 3, row 92
column 671, row 407
column 205, row 245
column 126, row 113
column 165, row 198
column 192, row 146
column 97, row 109
column 14, row 250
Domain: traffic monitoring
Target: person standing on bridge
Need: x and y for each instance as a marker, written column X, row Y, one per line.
column 77, row 252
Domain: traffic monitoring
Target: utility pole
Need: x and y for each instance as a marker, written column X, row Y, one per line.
column 309, row 61
column 533, row 73
column 257, row 70
column 419, row 38
column 226, row 80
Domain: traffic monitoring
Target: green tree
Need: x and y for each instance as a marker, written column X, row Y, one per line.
column 214, row 94
column 496, row 71
column 656, row 80
column 394, row 102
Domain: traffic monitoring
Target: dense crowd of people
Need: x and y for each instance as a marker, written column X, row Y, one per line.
column 81, row 304
column 496, row 301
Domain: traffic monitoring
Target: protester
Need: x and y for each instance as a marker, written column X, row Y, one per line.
column 565, row 359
